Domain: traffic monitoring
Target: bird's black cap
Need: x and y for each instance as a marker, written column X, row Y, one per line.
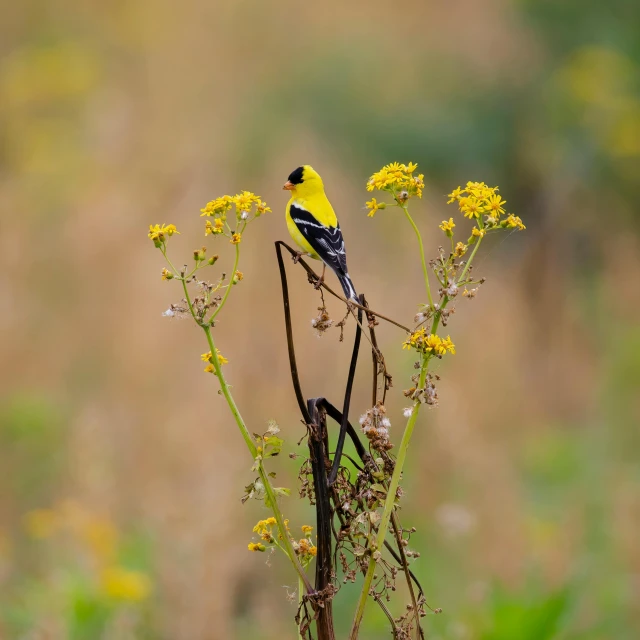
column 295, row 177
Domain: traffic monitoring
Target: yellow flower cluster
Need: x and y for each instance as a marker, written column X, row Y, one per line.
column 265, row 525
column 305, row 548
column 243, row 202
column 159, row 232
column 248, row 206
column 398, row 179
column 215, row 228
column 206, row 357
column 477, row 199
column 429, row 343
column 264, row 528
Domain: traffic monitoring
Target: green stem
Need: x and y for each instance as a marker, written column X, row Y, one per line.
column 469, row 261
column 266, row 482
column 227, row 394
column 424, row 262
column 389, row 505
column 300, row 597
column 226, row 293
column 402, row 453
column 270, row 493
column 164, row 253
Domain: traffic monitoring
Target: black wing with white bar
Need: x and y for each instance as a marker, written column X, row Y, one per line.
column 327, row 242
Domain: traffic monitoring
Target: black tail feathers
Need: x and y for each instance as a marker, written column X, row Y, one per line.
column 347, row 286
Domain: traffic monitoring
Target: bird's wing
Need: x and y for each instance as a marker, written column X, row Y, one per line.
column 326, row 241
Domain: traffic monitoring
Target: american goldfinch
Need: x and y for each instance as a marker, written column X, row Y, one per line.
column 314, row 226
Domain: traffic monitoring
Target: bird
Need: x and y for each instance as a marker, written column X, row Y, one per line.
column 314, row 226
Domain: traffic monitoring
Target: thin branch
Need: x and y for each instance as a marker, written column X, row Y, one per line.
column 316, row 277
column 347, row 400
column 287, row 318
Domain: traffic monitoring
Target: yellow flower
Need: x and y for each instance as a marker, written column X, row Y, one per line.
column 235, row 238
column 417, row 185
column 158, row 232
column 460, row 250
column 429, row 344
column 447, row 227
column 217, row 206
column 414, row 339
column 261, row 207
column 313, row 551
column 470, row 207
column 494, row 205
column 513, row 222
column 480, row 233
column 433, row 344
column 306, row 528
column 256, row 546
column 245, row 200
column 206, row 357
column 411, row 167
column 41, row 523
column 449, row 346
column 262, row 526
column 373, row 205
column 454, row 195
column 216, row 228
column 238, row 276
column 166, row 274
column 123, row 584
column 397, row 176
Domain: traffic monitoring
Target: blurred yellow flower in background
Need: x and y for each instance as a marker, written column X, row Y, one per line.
column 125, row 584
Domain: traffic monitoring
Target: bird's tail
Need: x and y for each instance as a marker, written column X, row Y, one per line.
column 347, row 286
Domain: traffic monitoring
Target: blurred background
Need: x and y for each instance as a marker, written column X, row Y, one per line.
column 122, row 472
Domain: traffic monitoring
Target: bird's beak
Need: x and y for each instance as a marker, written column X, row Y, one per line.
column 288, row 186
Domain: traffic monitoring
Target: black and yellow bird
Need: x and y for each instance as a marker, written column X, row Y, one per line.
column 314, row 226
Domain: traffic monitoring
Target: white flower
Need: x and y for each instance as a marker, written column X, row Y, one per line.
column 244, row 215
column 168, row 313
column 407, row 411
column 363, row 418
column 385, row 422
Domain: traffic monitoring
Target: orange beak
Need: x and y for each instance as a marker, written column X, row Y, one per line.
column 288, row 186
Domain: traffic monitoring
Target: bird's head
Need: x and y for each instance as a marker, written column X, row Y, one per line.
column 304, row 181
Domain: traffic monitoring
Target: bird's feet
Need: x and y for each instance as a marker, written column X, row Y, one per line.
column 297, row 256
column 319, row 282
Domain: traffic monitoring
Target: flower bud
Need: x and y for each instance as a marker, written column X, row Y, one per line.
column 213, row 259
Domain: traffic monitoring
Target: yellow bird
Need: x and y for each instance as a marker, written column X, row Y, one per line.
column 314, row 226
